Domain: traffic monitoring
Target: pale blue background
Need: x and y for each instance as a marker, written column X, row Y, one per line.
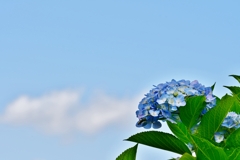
column 119, row 47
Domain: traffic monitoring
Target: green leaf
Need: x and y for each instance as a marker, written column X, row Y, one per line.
column 236, row 77
column 190, row 113
column 207, row 151
column 160, row 140
column 213, row 119
column 233, row 153
column 187, row 156
column 213, row 86
column 180, row 130
column 238, row 96
column 129, row 154
column 233, row 89
column 236, row 105
column 233, row 139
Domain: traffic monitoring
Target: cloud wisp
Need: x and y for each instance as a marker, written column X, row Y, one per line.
column 63, row 112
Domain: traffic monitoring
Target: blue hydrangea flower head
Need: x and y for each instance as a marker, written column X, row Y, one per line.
column 163, row 101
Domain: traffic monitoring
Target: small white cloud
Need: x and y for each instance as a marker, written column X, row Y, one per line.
column 62, row 112
column 104, row 110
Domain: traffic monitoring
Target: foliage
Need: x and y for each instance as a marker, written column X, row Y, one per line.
column 204, row 127
column 128, row 154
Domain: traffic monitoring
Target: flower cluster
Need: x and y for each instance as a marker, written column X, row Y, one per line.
column 163, row 101
column 231, row 122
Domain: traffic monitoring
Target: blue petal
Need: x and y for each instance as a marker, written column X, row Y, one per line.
column 219, row 137
column 208, row 90
column 180, row 101
column 173, row 108
column 183, row 82
column 165, row 113
column 154, row 113
column 162, row 86
column 190, row 91
column 162, row 99
column 141, row 123
column 157, row 125
column 142, row 113
column 204, row 111
column 210, row 98
column 137, row 113
column 228, row 122
column 148, row 125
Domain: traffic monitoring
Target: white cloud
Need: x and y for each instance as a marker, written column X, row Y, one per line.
column 63, row 112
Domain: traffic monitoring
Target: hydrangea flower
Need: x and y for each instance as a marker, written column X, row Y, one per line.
column 232, row 120
column 219, row 136
column 163, row 101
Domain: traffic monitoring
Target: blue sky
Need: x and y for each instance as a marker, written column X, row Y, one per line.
column 73, row 72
